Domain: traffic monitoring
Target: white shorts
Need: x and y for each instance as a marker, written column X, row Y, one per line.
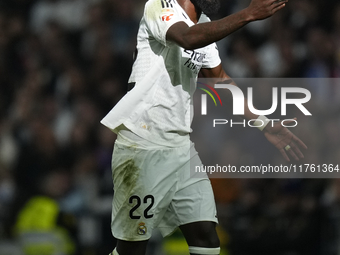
column 153, row 189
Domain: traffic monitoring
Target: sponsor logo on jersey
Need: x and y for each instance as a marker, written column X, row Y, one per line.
column 195, row 59
column 141, row 229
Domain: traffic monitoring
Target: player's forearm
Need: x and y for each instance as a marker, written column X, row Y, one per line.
column 207, row 33
column 248, row 115
column 218, row 75
column 203, row 34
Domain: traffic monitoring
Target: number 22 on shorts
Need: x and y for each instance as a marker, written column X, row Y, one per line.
column 147, row 199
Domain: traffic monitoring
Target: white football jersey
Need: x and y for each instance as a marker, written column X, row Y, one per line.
column 159, row 107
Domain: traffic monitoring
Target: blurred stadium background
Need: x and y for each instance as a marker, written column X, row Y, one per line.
column 65, row 63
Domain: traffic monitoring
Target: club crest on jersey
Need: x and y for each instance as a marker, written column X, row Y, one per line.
column 141, row 229
column 167, row 14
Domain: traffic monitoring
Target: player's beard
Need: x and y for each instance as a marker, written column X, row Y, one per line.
column 207, row 6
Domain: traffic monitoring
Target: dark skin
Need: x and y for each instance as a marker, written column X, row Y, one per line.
column 204, row 34
column 203, row 233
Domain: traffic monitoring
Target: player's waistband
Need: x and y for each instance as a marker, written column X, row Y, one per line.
column 128, row 138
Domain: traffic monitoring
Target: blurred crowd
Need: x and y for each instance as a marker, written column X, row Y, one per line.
column 65, row 63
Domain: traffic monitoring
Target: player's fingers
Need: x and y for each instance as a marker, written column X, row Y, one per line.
column 292, row 153
column 276, row 9
column 284, row 154
column 296, row 150
column 278, row 3
column 278, row 6
column 299, row 142
column 287, row 122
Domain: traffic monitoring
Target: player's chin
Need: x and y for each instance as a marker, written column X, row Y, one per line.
column 208, row 7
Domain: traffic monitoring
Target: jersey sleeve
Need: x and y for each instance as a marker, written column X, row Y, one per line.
column 212, row 58
column 160, row 15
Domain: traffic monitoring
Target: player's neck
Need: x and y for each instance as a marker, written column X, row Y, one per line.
column 193, row 12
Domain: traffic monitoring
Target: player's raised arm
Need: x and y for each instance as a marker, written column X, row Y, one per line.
column 281, row 137
column 203, row 34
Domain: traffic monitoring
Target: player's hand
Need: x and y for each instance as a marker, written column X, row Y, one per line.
column 262, row 9
column 284, row 140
